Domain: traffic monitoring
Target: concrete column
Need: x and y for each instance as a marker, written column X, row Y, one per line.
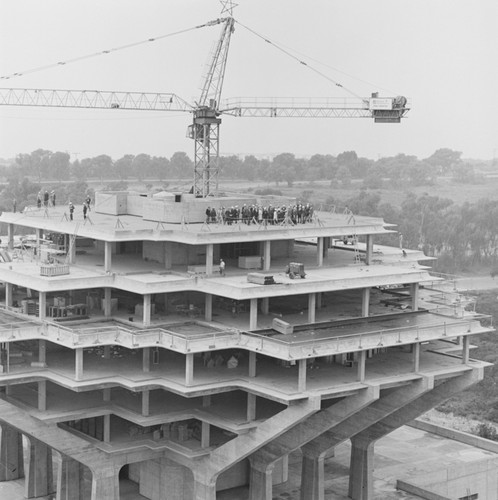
column 302, row 375
column 466, row 350
column 107, row 428
column 414, row 289
column 253, row 315
column 145, row 403
column 251, row 407
column 105, row 484
column 209, row 259
column 107, row 256
column 107, row 301
column 261, row 481
column 189, row 368
column 313, row 477
column 326, row 246
column 42, row 353
column 68, row 479
column 78, row 355
column 146, row 359
column 11, row 454
column 42, row 395
column 252, row 364
column 311, row 307
column 360, row 472
column 10, row 236
column 147, row 309
column 39, row 479
column 208, row 307
column 106, row 394
column 369, row 250
column 205, row 435
column 8, row 294
column 42, row 305
column 362, row 356
column 71, row 249
column 365, row 302
column 319, row 252
column 265, row 305
column 266, row 255
column 416, row 356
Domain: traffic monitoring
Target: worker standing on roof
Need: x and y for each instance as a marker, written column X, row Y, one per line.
column 85, row 208
column 71, row 210
column 88, row 201
column 222, row 267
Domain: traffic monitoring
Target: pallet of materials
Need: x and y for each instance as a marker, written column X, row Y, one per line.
column 260, row 279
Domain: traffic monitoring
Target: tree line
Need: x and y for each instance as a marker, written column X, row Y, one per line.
column 284, row 168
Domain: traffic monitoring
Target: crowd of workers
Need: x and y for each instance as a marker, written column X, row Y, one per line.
column 260, row 214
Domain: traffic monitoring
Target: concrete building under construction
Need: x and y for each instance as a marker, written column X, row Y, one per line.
column 126, row 355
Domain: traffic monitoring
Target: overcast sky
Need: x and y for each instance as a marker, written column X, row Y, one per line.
column 442, row 54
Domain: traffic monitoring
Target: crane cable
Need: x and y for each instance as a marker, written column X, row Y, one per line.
column 108, row 51
column 300, row 61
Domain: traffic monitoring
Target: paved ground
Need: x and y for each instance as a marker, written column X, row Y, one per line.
column 404, row 454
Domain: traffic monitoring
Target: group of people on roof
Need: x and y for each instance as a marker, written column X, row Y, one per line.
column 259, row 214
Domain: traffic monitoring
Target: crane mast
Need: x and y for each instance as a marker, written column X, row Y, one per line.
column 205, row 129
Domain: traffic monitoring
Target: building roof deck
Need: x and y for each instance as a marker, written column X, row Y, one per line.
column 106, row 227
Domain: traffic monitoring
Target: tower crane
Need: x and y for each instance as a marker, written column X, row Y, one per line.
column 207, row 111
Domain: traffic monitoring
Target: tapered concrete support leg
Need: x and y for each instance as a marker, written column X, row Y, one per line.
column 68, row 479
column 204, row 490
column 39, row 480
column 105, row 485
column 209, row 259
column 260, row 481
column 311, row 307
column 313, row 478
column 253, row 315
column 361, row 470
column 11, row 454
column 365, row 302
column 208, row 307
